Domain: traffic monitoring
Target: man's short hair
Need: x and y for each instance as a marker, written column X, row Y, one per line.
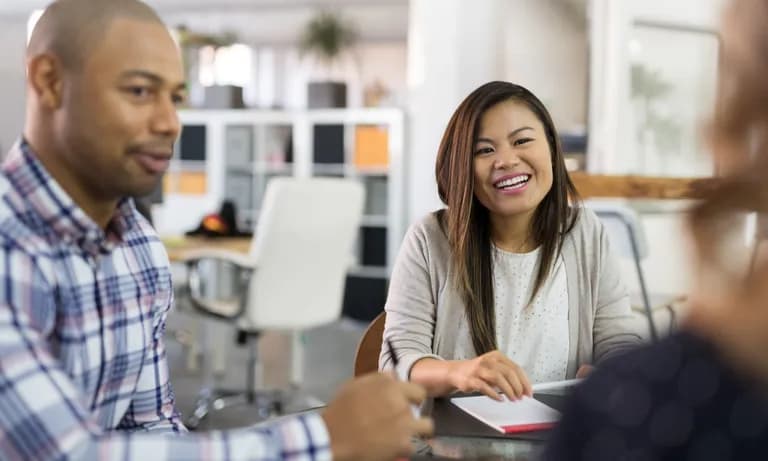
column 70, row 29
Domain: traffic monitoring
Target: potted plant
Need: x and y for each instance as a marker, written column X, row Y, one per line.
column 216, row 96
column 327, row 37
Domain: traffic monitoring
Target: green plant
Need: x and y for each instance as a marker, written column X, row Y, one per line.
column 648, row 86
column 327, row 36
column 190, row 39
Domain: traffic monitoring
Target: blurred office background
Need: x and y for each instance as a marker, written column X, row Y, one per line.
column 628, row 82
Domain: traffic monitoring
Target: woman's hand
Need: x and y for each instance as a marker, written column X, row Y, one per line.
column 490, row 373
column 584, row 371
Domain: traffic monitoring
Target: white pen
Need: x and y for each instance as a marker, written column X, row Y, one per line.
column 539, row 387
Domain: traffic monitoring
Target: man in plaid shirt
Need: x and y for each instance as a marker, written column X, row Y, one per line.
column 84, row 282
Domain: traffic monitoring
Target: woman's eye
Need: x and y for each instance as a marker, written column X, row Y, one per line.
column 521, row 141
column 484, row 150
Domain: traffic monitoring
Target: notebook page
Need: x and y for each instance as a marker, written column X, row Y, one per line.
column 526, row 414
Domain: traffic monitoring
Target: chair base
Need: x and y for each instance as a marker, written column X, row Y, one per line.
column 267, row 404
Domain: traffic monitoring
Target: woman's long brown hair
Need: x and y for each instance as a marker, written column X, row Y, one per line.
column 466, row 222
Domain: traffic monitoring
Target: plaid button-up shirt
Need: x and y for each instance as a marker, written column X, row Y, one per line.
column 83, row 371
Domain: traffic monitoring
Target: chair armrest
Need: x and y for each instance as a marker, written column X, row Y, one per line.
column 238, row 259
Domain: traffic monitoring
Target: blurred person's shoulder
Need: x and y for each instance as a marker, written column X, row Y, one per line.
column 676, row 399
column 654, row 366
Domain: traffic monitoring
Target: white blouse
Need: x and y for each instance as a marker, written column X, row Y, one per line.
column 534, row 336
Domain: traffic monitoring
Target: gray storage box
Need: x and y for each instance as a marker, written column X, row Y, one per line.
column 325, row 95
column 223, row 97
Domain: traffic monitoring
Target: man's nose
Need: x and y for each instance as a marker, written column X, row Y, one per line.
column 165, row 120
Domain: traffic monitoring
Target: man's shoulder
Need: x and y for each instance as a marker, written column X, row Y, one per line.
column 142, row 237
column 16, row 232
column 142, row 230
column 23, row 249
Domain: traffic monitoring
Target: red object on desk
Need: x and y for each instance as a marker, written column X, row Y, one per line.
column 527, row 428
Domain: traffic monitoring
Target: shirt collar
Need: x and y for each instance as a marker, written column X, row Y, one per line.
column 56, row 208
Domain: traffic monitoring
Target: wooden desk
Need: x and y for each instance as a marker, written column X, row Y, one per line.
column 589, row 186
column 641, row 187
column 177, row 247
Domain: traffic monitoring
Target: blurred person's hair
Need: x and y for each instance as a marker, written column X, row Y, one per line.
column 466, row 221
column 740, row 121
column 738, row 134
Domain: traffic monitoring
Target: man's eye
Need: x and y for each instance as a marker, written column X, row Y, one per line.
column 138, row 91
column 179, row 99
column 521, row 141
column 484, row 150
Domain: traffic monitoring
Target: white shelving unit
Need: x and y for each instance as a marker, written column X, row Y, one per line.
column 242, row 158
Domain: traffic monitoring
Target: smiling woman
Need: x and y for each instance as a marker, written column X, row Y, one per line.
column 513, row 282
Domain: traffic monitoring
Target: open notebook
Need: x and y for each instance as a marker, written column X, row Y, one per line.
column 524, row 415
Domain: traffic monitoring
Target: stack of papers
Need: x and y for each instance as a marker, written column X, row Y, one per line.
column 507, row 417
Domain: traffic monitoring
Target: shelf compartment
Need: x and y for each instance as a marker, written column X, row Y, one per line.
column 375, row 220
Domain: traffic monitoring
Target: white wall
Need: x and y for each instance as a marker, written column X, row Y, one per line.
column 380, row 51
column 445, row 62
column 376, row 21
column 613, row 147
column 700, row 13
column 611, row 139
column 547, row 51
column 12, row 86
column 369, row 62
column 385, row 61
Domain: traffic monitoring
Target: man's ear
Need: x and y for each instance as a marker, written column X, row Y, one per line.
column 45, row 74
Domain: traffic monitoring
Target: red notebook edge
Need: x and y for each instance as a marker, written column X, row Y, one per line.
column 527, row 427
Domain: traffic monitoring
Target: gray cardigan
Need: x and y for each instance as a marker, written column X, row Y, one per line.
column 424, row 308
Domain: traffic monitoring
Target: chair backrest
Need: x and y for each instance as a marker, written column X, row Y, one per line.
column 302, row 248
column 627, row 239
column 622, row 225
column 369, row 347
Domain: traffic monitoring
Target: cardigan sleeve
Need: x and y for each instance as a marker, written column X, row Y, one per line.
column 410, row 306
column 615, row 327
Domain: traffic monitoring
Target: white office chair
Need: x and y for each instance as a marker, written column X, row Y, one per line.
column 293, row 278
column 625, row 232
